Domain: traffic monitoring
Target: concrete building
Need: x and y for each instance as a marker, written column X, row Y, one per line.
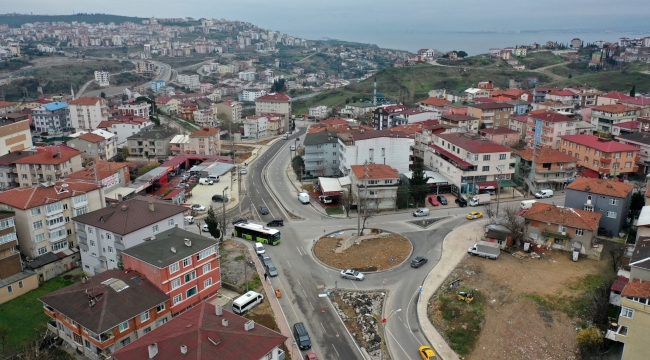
column 374, row 186
column 274, row 103
column 103, row 234
column 137, row 109
column 125, row 126
column 321, row 154
column 247, row 75
column 150, row 143
column 52, row 118
column 98, row 144
column 600, row 157
column 7, row 107
column 145, row 68
column 551, row 169
column 110, row 175
column 43, row 213
column 8, row 174
column 634, row 319
column 47, row 164
column 87, row 113
column 501, row 135
column 15, row 134
column 14, row 279
column 250, row 95
column 460, row 121
column 103, row 78
column 204, row 142
column 544, row 127
column 319, row 111
column 231, row 109
column 255, row 127
column 206, row 117
column 435, row 105
column 492, row 114
column 157, row 85
column 392, row 148
column 189, row 81
column 603, row 117
column 640, row 140
column 610, row 198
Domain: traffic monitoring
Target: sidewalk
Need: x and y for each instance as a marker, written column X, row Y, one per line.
column 454, row 248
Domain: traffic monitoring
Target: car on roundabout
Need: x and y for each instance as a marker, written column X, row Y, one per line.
column 426, row 353
column 352, row 275
column 418, row 261
column 474, row 215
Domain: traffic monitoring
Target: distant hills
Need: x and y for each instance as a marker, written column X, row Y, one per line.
column 15, row 20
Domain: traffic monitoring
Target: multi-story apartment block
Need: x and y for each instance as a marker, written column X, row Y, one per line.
column 470, row 162
column 250, row 95
column 137, row 109
column 189, row 274
column 231, row 109
column 603, row 117
column 47, row 164
column 544, row 127
column 501, row 135
column 600, row 156
column 150, row 143
column 14, row 280
column 610, row 198
column 565, row 97
column 247, row 75
column 319, row 111
column 633, row 319
column 255, row 127
column 206, row 117
column 435, row 105
column 190, row 81
column 640, row 140
column 274, row 103
column 7, row 107
column 103, row 234
column 492, row 114
column 100, row 316
column 392, row 148
column 98, row 144
column 374, row 186
column 43, row 213
column 461, row 122
column 87, row 113
column 613, row 98
column 53, row 118
column 158, row 85
column 382, row 117
column 322, row 154
column 15, row 134
column 8, row 174
column 587, row 95
column 203, row 142
column 125, row 126
column 145, row 68
column 102, row 78
column 167, row 105
column 424, row 136
column 551, row 169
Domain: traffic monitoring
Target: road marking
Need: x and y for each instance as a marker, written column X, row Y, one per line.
column 289, row 263
column 398, row 344
column 321, row 325
column 355, row 285
column 407, row 311
column 337, row 352
column 298, row 247
column 303, row 250
column 289, row 301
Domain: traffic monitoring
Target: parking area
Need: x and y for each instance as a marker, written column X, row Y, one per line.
column 202, row 194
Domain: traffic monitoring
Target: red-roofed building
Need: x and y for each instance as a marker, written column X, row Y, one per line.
column 517, row 94
column 604, row 157
column 276, row 103
column 87, row 113
column 470, row 161
column 626, row 127
column 642, row 103
column 204, row 142
column 552, row 168
column 544, row 127
column 111, row 174
column 433, row 104
column 612, row 98
column 519, row 123
column 565, row 97
column 501, row 135
column 491, row 114
column 603, row 117
column 7, row 107
column 50, row 163
column 206, row 333
column 461, row 122
column 376, row 185
column 136, row 108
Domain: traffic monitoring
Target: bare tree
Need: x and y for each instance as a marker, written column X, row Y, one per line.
column 617, row 257
column 490, row 210
column 346, row 201
column 514, row 223
column 368, row 208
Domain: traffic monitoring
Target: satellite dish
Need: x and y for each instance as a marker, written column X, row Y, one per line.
column 64, row 185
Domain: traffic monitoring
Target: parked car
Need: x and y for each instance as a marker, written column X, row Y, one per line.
column 243, row 171
column 325, row 199
column 198, row 207
column 189, row 219
column 421, row 212
column 544, row 194
column 264, row 258
column 264, row 210
column 442, row 200
column 219, row 198
column 240, row 221
column 433, row 201
column 204, row 228
column 474, row 215
column 275, row 222
column 418, row 261
column 426, row 353
column 205, row 181
column 311, row 356
column 270, row 269
column 352, row 275
column 461, row 202
column 259, row 248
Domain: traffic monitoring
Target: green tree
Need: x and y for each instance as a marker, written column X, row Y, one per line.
column 570, row 75
column 125, row 152
column 103, row 95
column 633, row 91
column 403, row 197
column 298, row 164
column 636, row 204
column 461, row 54
column 212, row 221
column 418, row 183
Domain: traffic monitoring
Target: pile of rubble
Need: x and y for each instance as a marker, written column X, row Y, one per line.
column 361, row 312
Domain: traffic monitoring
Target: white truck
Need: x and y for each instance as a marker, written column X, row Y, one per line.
column 489, row 250
column 480, row 199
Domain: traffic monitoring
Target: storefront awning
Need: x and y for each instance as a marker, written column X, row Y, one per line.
column 487, row 185
column 507, row 183
column 451, row 156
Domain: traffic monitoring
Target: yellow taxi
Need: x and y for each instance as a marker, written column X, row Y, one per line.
column 427, row 353
column 474, row 215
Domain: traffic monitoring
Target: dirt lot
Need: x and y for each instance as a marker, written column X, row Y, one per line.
column 233, row 266
column 370, row 255
column 506, row 320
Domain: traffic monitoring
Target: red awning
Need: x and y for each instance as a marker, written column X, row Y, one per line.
column 451, row 156
column 487, row 185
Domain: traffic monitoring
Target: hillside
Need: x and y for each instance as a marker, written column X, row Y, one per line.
column 15, row 20
column 619, row 78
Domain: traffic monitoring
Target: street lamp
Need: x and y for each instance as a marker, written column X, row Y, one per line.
column 223, row 209
column 383, row 329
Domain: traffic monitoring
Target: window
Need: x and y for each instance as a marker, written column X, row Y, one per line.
column 80, row 211
column 611, row 214
column 589, row 208
column 170, row 222
column 79, row 199
column 10, row 289
column 207, row 267
column 124, row 326
column 486, row 157
column 617, row 155
column 37, row 224
column 178, row 298
column 561, row 228
column 53, row 207
column 486, row 168
column 40, row 237
column 629, row 154
column 627, row 312
column 176, row 283
column 124, row 342
column 622, row 330
column 36, row 211
column 160, row 307
column 146, row 330
column 579, row 232
column 628, row 164
column 205, row 253
column 190, row 276
column 597, row 153
column 60, row 245
column 614, row 201
column 144, row 316
column 173, row 268
column 191, row 292
column 155, row 229
column 558, row 242
column 187, row 262
column 42, row 250
column 502, row 156
column 207, row 283
column 88, row 345
column 110, row 249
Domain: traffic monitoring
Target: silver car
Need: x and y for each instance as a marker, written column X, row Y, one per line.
column 352, row 275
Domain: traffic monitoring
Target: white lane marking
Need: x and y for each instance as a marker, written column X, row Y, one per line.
column 408, row 323
column 398, row 344
column 289, row 301
column 298, row 247
column 303, row 250
column 321, row 325
column 289, row 263
column 337, row 352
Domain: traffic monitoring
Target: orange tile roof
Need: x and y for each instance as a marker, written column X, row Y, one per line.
column 107, row 124
column 206, row 132
column 29, row 197
column 545, row 155
column 434, row 101
column 6, row 103
column 614, row 109
column 637, row 288
column 104, row 170
column 50, row 156
column 90, row 137
column 553, row 214
column 274, row 97
column 375, row 171
column 602, row 187
column 85, row 101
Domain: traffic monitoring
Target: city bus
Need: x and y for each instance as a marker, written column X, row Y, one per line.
column 256, row 232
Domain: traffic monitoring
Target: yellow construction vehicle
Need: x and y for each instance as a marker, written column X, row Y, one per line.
column 465, row 296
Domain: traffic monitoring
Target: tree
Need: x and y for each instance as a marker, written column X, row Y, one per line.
column 403, row 197
column 461, row 54
column 636, row 204
column 418, row 183
column 213, row 223
column 298, row 165
column 125, row 152
column 103, row 95
column 570, row 75
column 590, row 341
column 346, row 200
column 633, row 91
column 367, row 207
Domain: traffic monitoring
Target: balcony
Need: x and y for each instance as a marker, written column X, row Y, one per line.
column 51, row 325
column 99, row 269
column 604, row 170
column 637, row 158
column 605, row 160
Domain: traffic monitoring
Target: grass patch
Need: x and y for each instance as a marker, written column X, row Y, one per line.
column 334, row 211
column 25, row 313
column 239, row 258
column 536, row 60
column 573, row 305
column 463, row 320
column 255, row 283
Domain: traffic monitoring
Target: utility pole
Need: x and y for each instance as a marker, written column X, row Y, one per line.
column 223, row 208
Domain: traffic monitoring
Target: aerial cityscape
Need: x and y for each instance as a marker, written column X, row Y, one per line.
column 305, row 183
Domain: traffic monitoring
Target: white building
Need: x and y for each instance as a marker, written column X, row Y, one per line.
column 138, row 109
column 87, row 113
column 319, row 111
column 190, row 81
column 127, row 126
column 207, row 117
column 255, row 127
column 102, row 78
column 392, row 148
column 247, row 75
column 251, row 94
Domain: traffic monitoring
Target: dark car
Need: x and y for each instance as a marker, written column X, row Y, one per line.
column 264, row 210
column 442, row 200
column 264, row 258
column 270, row 269
column 240, row 221
column 418, row 261
column 276, row 222
column 461, row 202
column 219, row 198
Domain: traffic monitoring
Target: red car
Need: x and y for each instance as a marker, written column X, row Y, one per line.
column 433, row 201
column 311, row 356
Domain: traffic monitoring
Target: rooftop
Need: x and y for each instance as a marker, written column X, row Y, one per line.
column 553, row 214
column 321, row 138
column 274, row 97
column 601, row 186
column 617, row 96
column 641, row 254
column 371, row 134
column 89, row 101
column 33, row 196
column 602, row 144
column 90, row 137
column 153, row 134
column 55, row 106
column 206, row 132
column 498, row 131
column 457, row 117
column 375, row 171
column 473, row 144
column 637, row 288
column 614, row 108
column 104, row 170
column 549, row 115
column 546, row 154
column 119, row 296
column 434, row 101
column 50, row 155
column 492, row 106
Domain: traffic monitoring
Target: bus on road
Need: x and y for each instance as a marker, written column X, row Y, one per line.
column 256, row 232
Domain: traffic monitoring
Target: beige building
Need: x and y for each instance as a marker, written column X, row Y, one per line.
column 603, row 117
column 376, row 186
column 231, row 109
column 634, row 320
column 491, row 114
column 87, row 113
column 7, row 107
column 43, row 213
column 15, row 134
column 49, row 164
column 98, row 144
column 204, row 142
column 544, row 127
column 274, row 103
column 600, row 155
column 14, row 280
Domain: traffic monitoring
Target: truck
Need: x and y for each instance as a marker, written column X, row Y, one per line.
column 489, row 250
column 480, row 199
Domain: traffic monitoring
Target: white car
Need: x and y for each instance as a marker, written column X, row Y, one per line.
column 198, row 207
column 204, row 228
column 189, row 219
column 352, row 275
column 243, row 171
column 325, row 199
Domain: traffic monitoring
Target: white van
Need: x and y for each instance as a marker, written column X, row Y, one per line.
column 259, row 248
column 286, row 136
column 527, row 204
column 544, row 194
column 205, row 181
column 214, row 178
column 246, row 302
column 303, row 197
column 421, row 212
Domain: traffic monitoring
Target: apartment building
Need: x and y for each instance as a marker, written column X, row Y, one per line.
column 565, row 97
column 587, row 95
column 374, row 186
column 104, row 234
column 167, row 104
column 157, row 85
column 52, row 118
column 204, row 142
column 501, row 135
column 15, row 134
column 250, row 95
column 544, row 127
column 550, row 169
column 461, row 122
column 87, row 113
column 231, row 109
column 100, row 316
column 633, row 320
column 424, row 135
column 43, row 213
column 603, row 117
column 600, row 157
column 567, row 110
column 8, row 173
column 137, row 109
column 435, row 105
column 470, row 162
column 392, row 148
column 319, row 111
column 145, row 68
column 613, row 98
column 125, row 126
column 610, row 198
column 188, row 271
column 274, row 103
column 111, row 175
column 98, row 144
column 151, row 143
column 47, row 164
column 255, row 127
column 492, row 114
column 321, row 154
column 205, row 117
column 640, row 140
column 7, row 107
column 189, row 81
column 103, row 78
column 14, row 279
